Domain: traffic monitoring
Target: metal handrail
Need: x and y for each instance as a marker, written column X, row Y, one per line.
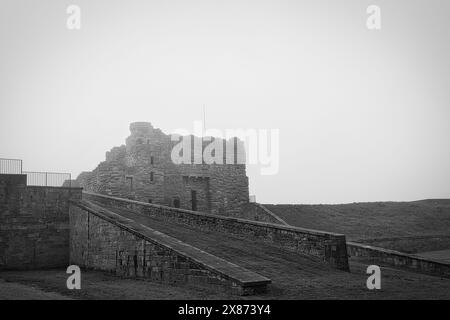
column 48, row 179
column 35, row 178
column 10, row 166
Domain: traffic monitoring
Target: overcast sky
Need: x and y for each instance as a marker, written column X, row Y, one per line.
column 363, row 115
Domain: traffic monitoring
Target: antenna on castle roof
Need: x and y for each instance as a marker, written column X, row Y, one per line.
column 204, row 120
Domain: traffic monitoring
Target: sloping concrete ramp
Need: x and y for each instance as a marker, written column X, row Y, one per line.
column 103, row 240
column 324, row 246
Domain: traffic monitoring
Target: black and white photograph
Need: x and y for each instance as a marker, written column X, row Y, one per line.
column 223, row 156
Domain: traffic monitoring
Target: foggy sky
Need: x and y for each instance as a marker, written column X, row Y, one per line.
column 363, row 115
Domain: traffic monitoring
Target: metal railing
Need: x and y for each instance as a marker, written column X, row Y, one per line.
column 44, row 179
column 10, row 166
column 48, row 179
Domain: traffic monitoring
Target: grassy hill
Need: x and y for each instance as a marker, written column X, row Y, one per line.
column 366, row 222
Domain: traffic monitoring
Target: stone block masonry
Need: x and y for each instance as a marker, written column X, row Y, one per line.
column 398, row 259
column 325, row 246
column 103, row 240
column 34, row 224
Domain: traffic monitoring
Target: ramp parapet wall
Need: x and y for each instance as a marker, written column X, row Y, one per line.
column 103, row 240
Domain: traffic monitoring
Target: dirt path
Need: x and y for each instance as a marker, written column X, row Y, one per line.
column 18, row 291
column 95, row 285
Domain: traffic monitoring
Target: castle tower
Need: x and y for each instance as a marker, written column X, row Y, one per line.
column 141, row 132
column 143, row 170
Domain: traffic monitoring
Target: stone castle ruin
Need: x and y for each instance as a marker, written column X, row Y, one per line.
column 143, row 170
column 46, row 225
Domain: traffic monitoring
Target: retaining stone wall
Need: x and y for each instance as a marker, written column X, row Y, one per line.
column 34, row 224
column 398, row 259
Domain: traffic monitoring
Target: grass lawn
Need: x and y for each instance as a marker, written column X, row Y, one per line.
column 426, row 223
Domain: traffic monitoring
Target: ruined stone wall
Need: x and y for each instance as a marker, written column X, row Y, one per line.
column 143, row 170
column 116, row 153
column 34, row 224
column 179, row 187
column 229, row 190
